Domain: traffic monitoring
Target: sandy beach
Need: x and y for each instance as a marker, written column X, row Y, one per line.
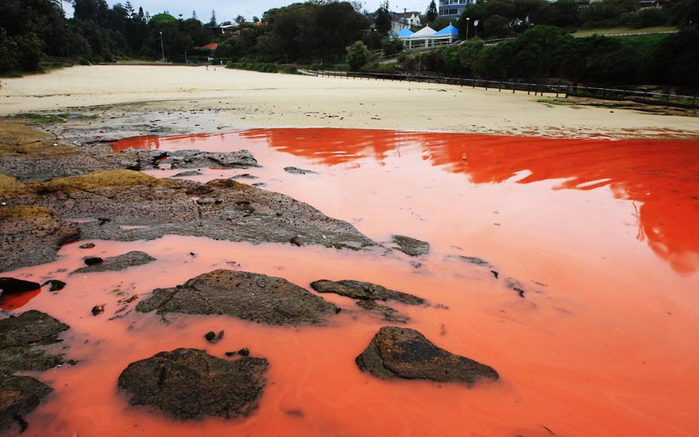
column 178, row 99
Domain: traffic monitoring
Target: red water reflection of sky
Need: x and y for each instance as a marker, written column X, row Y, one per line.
column 602, row 344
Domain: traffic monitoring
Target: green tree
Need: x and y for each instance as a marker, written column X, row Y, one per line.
column 392, row 45
column 357, row 55
column 432, row 13
column 561, row 13
column 382, row 22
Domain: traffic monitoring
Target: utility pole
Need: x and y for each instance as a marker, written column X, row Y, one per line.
column 162, row 47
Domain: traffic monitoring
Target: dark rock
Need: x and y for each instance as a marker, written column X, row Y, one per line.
column 387, row 313
column 495, row 273
column 93, row 261
column 19, row 334
column 189, row 384
column 224, row 210
column 145, row 159
column 243, row 176
column 365, row 291
column 244, row 352
column 411, row 246
column 117, row 263
column 405, row 353
column 199, row 159
column 12, row 285
column 296, row 170
column 19, row 395
column 472, row 260
column 98, row 309
column 31, row 235
column 248, row 296
column 56, row 285
column 231, row 354
column 210, row 336
column 87, row 246
column 516, row 286
column 185, row 174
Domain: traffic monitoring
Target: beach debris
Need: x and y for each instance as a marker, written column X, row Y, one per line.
column 98, row 309
column 87, row 246
column 212, row 337
column 406, row 354
column 189, row 384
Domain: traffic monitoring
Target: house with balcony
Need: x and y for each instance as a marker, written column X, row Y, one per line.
column 405, row 20
column 453, row 8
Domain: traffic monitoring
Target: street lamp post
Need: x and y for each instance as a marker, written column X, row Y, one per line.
column 468, row 19
column 162, row 47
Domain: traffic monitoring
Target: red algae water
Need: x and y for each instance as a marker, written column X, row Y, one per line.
column 590, row 321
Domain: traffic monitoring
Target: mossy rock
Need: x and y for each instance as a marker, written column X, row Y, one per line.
column 104, row 179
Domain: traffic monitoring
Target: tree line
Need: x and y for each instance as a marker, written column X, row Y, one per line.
column 549, row 53
column 328, row 32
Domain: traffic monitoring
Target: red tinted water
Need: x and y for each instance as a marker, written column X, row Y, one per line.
column 601, row 344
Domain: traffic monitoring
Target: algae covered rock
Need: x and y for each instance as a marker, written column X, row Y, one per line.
column 190, row 384
column 405, row 353
column 244, row 295
column 126, row 205
column 31, row 235
column 19, row 334
column 19, row 395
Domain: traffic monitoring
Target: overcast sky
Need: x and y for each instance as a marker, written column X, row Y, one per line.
column 227, row 10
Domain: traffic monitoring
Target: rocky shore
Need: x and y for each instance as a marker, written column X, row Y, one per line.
column 53, row 193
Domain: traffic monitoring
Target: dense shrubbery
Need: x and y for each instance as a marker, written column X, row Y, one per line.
column 548, row 52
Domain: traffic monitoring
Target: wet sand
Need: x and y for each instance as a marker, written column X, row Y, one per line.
column 175, row 99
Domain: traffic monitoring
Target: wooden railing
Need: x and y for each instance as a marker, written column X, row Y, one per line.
column 553, row 89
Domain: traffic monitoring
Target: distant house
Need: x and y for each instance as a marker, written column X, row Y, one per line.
column 405, row 20
column 453, row 8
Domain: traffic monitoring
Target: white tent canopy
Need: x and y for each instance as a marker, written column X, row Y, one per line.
column 427, row 34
